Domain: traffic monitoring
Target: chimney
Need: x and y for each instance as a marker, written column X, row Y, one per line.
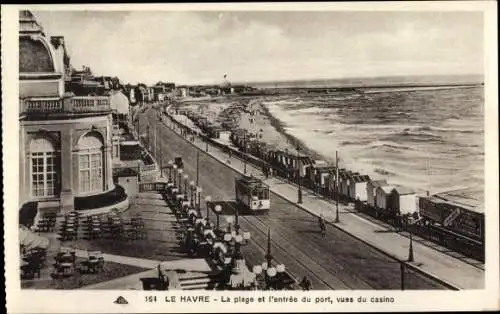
column 427, row 193
column 57, row 41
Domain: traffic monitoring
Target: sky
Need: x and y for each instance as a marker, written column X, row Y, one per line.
column 199, row 47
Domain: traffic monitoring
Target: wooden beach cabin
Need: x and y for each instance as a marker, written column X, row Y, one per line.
column 404, row 200
column 371, row 187
column 357, row 187
column 383, row 197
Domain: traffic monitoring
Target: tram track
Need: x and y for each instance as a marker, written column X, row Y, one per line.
column 297, row 263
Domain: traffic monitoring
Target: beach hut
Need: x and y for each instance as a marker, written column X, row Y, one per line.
column 404, row 200
column 383, row 197
column 371, row 186
column 357, row 187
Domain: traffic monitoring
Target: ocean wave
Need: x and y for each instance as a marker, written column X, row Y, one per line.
column 418, row 135
column 383, row 172
column 451, row 130
column 391, row 145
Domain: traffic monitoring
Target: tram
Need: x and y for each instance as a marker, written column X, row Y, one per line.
column 252, row 193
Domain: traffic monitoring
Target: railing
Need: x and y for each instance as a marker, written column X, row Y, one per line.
column 90, row 104
column 43, row 105
column 152, row 187
column 77, row 104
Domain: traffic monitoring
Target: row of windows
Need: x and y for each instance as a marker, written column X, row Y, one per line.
column 46, row 167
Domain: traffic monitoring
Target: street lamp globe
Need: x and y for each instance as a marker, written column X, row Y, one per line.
column 170, row 163
column 271, row 271
column 208, row 198
column 246, row 235
column 264, row 266
column 227, row 237
column 238, row 238
column 280, row 268
column 191, row 183
column 257, row 269
column 229, row 220
column 218, row 208
column 186, row 177
column 233, row 234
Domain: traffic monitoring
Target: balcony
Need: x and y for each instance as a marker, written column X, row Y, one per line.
column 77, row 104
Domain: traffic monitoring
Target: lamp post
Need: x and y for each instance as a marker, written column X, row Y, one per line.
column 410, row 249
column 244, row 153
column 191, row 185
column 299, row 196
column 236, row 220
column 229, row 221
column 198, row 206
column 218, row 210
column 208, row 199
column 337, row 220
column 185, row 184
column 268, row 256
column 170, row 166
column 197, row 166
column 174, row 175
column 179, row 171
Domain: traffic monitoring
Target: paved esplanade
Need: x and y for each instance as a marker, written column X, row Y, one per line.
column 339, row 261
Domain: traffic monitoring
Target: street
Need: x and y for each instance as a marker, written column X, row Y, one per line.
column 336, row 262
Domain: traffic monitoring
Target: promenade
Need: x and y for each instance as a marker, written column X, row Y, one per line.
column 446, row 268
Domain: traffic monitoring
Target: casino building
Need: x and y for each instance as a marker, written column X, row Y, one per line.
column 66, row 136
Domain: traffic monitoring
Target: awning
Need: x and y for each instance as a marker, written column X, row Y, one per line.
column 31, row 240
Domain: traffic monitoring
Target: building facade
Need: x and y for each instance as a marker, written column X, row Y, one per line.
column 65, row 140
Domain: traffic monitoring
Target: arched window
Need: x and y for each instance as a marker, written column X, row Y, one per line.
column 91, row 163
column 44, row 168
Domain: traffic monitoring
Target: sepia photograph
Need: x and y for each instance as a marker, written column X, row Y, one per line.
column 198, row 154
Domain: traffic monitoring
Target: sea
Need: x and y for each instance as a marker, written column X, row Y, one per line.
column 427, row 139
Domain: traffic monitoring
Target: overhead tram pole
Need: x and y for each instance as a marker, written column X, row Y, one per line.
column 244, row 153
column 299, row 196
column 161, row 157
column 337, row 220
column 197, row 167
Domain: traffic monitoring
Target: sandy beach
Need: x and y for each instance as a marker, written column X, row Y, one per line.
column 251, row 114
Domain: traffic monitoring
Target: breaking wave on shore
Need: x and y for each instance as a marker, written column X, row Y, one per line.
column 424, row 139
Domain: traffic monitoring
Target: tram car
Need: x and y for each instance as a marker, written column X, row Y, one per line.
column 252, row 193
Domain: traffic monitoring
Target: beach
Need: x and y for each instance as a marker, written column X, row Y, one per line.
column 427, row 140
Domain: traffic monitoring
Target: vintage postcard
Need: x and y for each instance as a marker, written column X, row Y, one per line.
column 250, row 157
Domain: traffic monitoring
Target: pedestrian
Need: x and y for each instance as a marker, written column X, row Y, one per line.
column 305, row 284
column 322, row 225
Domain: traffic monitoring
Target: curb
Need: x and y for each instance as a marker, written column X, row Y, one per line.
column 389, row 254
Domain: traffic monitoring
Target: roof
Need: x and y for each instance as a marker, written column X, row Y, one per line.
column 386, row 188
column 402, row 190
column 461, row 198
column 119, row 102
column 125, row 172
column 377, row 183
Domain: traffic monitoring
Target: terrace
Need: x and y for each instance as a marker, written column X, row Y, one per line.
column 77, row 104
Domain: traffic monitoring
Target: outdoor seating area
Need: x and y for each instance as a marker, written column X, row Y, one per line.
column 65, row 264
column 105, row 226
column 46, row 223
column 31, row 262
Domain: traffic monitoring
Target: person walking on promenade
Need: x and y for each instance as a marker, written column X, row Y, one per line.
column 322, row 225
column 305, row 284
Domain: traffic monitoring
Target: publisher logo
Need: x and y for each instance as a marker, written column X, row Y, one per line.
column 120, row 300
